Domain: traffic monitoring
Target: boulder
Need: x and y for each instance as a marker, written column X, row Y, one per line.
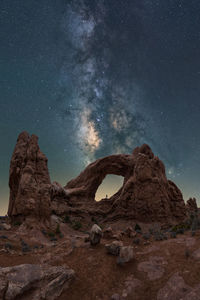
column 29, row 180
column 34, row 281
column 154, row 267
column 125, row 254
column 176, row 288
column 95, row 235
column 114, row 247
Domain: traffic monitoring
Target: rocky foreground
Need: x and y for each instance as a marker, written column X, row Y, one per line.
column 116, row 262
column 59, row 243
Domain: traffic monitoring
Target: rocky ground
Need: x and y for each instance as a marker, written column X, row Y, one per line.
column 62, row 263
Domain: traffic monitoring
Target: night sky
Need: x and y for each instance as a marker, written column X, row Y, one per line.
column 94, row 78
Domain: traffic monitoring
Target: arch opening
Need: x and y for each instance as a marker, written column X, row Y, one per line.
column 109, row 186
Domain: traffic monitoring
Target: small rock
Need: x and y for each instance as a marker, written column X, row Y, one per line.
column 6, row 226
column 130, row 232
column 146, row 243
column 118, row 235
column 114, row 247
column 108, row 233
column 125, row 254
column 95, row 235
column 196, row 254
column 115, row 297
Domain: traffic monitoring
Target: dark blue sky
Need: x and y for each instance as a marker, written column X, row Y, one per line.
column 92, row 78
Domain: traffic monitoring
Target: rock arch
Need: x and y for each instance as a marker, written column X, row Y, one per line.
column 146, row 194
column 87, row 183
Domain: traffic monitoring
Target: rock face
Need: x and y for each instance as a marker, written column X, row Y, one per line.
column 29, row 179
column 192, row 205
column 146, row 194
column 34, row 281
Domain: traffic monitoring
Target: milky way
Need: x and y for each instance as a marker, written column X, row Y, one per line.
column 93, row 78
column 105, row 105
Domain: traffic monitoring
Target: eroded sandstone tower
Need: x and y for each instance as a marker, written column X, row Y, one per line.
column 29, row 180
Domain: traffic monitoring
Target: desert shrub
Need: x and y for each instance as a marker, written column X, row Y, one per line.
column 136, row 241
column 180, row 228
column 138, row 228
column 192, row 216
column 67, row 219
column 159, row 236
column 151, row 231
column 173, row 234
column 94, row 220
column 194, row 224
column 58, row 229
column 146, row 236
column 180, row 231
column 8, row 246
column 17, row 223
column 76, row 225
column 51, row 234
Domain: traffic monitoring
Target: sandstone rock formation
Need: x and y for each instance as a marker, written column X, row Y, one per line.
column 34, row 281
column 29, row 179
column 146, row 194
column 191, row 205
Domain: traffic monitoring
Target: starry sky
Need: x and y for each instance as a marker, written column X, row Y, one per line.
column 98, row 77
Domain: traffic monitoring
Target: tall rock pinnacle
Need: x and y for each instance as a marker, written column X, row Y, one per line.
column 29, row 180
